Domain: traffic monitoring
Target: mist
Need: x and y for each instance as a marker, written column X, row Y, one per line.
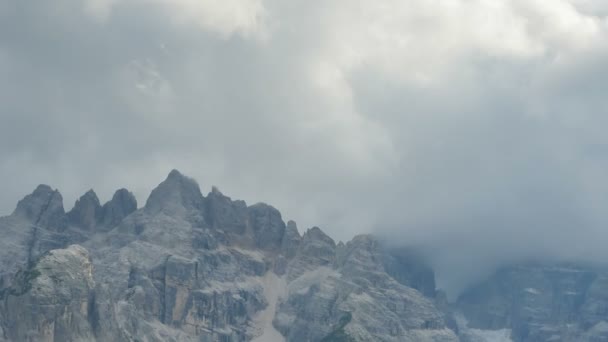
column 472, row 128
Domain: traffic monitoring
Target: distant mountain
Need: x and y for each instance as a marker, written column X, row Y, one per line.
column 188, row 267
column 541, row 302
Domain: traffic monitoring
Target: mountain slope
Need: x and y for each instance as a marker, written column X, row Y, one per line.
column 541, row 302
column 188, row 267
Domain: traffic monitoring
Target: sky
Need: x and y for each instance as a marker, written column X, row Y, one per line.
column 474, row 128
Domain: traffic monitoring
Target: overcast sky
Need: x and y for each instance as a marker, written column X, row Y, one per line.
column 477, row 127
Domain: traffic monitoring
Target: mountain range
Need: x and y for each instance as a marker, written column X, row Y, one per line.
column 189, row 267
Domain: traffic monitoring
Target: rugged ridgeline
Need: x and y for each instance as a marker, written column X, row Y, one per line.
column 540, row 302
column 186, row 267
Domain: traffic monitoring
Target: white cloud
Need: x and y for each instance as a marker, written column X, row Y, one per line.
column 598, row 8
column 224, row 17
column 473, row 125
column 421, row 40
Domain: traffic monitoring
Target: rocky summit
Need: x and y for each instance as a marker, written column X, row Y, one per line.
column 189, row 267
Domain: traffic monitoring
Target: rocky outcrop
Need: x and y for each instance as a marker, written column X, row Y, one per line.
column 267, row 226
column 43, row 208
column 37, row 225
column 259, row 226
column 352, row 298
column 316, row 249
column 91, row 217
column 539, row 302
column 86, row 212
column 229, row 216
column 122, row 204
column 291, row 240
column 178, row 196
column 193, row 268
column 51, row 301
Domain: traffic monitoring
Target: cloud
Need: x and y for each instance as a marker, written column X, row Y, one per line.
column 225, row 17
column 474, row 128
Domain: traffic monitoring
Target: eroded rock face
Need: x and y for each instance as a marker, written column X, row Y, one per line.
column 44, row 208
column 179, row 196
column 291, row 240
column 541, row 303
column 86, row 212
column 353, row 298
column 122, row 204
column 37, row 225
column 51, row 301
column 226, row 214
column 267, row 225
column 316, row 249
column 89, row 216
column 193, row 268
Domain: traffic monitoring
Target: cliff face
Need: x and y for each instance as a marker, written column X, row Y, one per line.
column 189, row 267
column 541, row 302
column 52, row 300
column 349, row 296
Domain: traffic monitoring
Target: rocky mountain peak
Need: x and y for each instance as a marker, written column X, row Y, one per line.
column 86, row 211
column 365, row 241
column 243, row 274
column 177, row 194
column 267, row 225
column 90, row 195
column 315, row 249
column 362, row 253
column 43, row 207
column 175, row 174
column 122, row 204
column 228, row 215
column 293, row 226
column 291, row 240
column 315, row 234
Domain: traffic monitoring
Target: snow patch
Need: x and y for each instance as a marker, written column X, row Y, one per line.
column 479, row 335
column 532, row 291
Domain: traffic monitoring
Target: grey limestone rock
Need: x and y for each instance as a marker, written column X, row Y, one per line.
column 353, row 297
column 122, row 204
column 51, row 301
column 37, row 225
column 316, row 249
column 267, row 225
column 193, row 268
column 43, row 208
column 229, row 216
column 291, row 240
column 86, row 212
column 540, row 302
column 178, row 195
column 223, row 213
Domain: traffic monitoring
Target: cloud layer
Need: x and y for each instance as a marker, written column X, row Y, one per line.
column 474, row 127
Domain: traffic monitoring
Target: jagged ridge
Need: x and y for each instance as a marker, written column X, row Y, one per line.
column 188, row 267
column 194, row 267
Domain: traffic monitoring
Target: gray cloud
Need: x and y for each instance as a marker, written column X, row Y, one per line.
column 474, row 128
